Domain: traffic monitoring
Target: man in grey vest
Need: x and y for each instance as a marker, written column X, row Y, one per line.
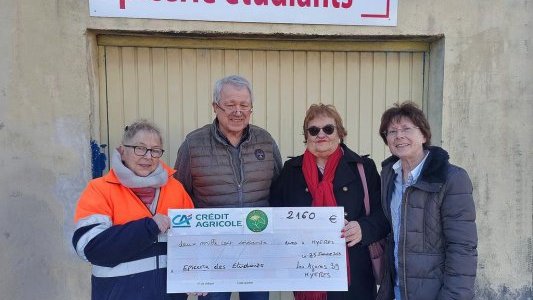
column 229, row 163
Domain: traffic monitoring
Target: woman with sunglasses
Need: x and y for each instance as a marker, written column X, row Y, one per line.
column 121, row 220
column 327, row 175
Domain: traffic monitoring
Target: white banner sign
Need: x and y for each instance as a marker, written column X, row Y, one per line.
column 340, row 12
column 256, row 249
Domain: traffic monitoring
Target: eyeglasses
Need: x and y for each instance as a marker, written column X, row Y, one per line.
column 328, row 129
column 394, row 132
column 141, row 151
column 233, row 108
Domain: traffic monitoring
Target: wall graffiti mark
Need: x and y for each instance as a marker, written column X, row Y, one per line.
column 98, row 158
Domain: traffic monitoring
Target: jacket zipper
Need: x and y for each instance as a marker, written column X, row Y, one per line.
column 239, row 191
column 157, row 241
column 241, row 172
column 157, row 272
column 239, row 184
column 404, row 219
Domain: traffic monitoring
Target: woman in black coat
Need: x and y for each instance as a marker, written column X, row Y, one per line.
column 327, row 175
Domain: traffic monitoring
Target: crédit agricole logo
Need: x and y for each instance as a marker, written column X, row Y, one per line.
column 256, row 220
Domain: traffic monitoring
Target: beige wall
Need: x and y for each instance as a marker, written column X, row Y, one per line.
column 48, row 92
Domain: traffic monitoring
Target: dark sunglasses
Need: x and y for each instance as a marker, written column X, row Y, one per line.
column 314, row 131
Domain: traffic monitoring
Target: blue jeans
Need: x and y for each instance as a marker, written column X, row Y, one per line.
column 242, row 296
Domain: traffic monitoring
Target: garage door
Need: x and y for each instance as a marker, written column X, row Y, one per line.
column 170, row 80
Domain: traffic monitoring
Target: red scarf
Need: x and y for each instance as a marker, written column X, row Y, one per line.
column 322, row 193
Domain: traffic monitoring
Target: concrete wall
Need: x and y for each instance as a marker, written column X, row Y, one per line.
column 48, row 92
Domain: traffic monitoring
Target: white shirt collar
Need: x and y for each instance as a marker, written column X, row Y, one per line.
column 413, row 175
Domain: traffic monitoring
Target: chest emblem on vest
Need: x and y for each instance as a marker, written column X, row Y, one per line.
column 259, row 154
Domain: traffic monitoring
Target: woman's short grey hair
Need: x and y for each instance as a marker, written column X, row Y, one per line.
column 140, row 125
column 234, row 80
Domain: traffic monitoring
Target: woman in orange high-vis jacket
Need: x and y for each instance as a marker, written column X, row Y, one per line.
column 121, row 220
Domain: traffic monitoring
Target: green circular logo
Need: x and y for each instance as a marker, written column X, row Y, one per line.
column 256, row 221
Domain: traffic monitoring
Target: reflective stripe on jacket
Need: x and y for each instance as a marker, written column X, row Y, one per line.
column 131, row 267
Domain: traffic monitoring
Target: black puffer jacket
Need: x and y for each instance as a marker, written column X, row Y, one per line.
column 438, row 237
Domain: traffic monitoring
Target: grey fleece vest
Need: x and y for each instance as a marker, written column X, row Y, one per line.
column 213, row 180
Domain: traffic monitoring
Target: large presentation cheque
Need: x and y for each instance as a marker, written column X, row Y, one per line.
column 256, row 249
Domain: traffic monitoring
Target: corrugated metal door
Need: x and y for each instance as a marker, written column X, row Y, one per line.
column 169, row 81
